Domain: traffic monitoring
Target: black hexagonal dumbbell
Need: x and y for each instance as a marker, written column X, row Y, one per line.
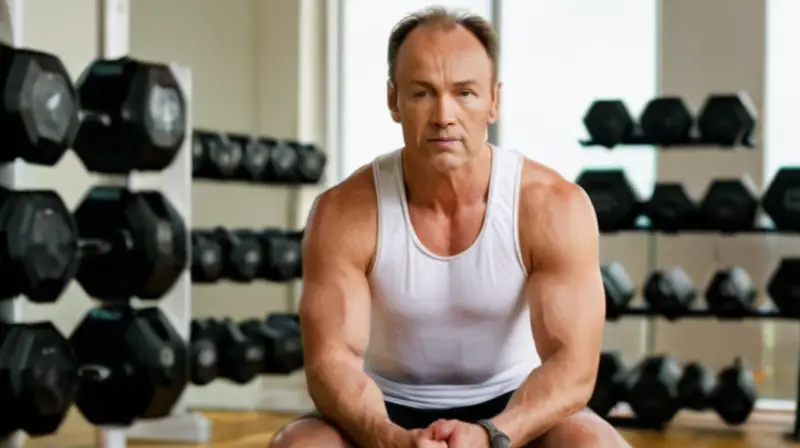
column 671, row 209
column 134, row 364
column 214, row 156
column 618, row 288
column 609, row 123
column 38, row 106
column 731, row 293
column 610, row 387
column 38, row 378
column 730, row 205
column 781, row 200
column 653, row 392
column 134, row 116
column 666, row 121
column 669, row 292
column 734, row 395
column 727, row 120
column 240, row 358
column 616, row 202
column 783, row 287
column 695, row 387
column 207, row 258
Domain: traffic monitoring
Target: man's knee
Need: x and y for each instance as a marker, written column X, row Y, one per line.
column 584, row 429
column 306, row 432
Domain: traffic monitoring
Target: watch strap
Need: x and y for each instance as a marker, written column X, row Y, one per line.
column 497, row 438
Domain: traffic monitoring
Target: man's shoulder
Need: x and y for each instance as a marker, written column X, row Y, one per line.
column 546, row 195
column 348, row 206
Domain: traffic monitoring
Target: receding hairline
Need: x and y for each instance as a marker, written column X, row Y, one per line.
column 445, row 19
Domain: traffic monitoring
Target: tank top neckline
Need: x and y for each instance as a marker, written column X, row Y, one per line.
column 407, row 213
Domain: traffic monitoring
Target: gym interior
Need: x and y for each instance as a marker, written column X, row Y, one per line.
column 305, row 80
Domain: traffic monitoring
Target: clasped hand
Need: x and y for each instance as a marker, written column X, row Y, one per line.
column 450, row 434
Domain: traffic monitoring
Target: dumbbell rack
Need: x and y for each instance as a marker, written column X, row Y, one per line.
column 175, row 182
column 761, row 313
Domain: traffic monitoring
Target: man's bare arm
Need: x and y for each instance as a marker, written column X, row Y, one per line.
column 565, row 293
column 335, row 317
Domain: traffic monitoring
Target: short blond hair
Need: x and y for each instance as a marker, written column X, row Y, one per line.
column 447, row 18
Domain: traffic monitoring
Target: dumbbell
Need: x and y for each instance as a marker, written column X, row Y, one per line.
column 610, row 387
column 730, row 205
column 671, row 209
column 731, row 293
column 279, row 335
column 609, row 123
column 214, row 156
column 669, row 292
column 241, row 252
column 38, row 378
column 203, row 356
column 783, row 287
column 281, row 255
column 696, row 387
column 294, row 162
column 653, row 390
column 39, row 107
column 207, row 259
column 666, row 121
column 240, row 358
column 618, row 288
column 734, row 395
column 781, row 200
column 134, row 244
column 133, row 116
column 616, row 202
column 727, row 119
column 133, row 364
column 255, row 156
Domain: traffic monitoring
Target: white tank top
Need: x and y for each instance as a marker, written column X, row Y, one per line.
column 449, row 331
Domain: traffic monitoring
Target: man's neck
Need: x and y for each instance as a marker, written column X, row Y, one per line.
column 448, row 191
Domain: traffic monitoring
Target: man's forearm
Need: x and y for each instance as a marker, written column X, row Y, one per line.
column 347, row 396
column 550, row 393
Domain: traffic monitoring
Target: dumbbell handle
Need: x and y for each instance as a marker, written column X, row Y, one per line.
column 97, row 246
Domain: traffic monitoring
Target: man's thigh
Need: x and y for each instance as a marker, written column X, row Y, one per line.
column 584, row 429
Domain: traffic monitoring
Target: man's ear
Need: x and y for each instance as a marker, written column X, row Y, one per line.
column 494, row 111
column 391, row 101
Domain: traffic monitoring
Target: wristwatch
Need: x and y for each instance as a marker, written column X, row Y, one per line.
column 497, row 438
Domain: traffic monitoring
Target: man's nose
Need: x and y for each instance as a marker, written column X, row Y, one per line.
column 444, row 115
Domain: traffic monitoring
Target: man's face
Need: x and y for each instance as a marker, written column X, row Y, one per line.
column 444, row 95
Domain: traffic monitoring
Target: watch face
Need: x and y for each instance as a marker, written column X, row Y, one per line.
column 501, row 441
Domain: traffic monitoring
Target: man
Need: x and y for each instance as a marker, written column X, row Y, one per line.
column 452, row 294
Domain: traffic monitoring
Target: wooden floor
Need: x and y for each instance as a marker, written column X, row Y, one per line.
column 251, row 429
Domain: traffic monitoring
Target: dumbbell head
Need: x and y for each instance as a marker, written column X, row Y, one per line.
column 241, row 358
column 134, row 364
column 203, row 356
column 782, row 287
column 669, row 292
column 731, row 292
column 311, row 163
column 727, row 119
column 213, row 155
column 242, row 254
column 609, row 388
column 283, row 349
column 735, row 394
column 39, row 112
column 608, row 122
column 666, row 121
column 39, row 238
column 615, row 201
column 281, row 255
column 38, row 377
column 653, row 390
column 618, row 287
column 206, row 258
column 283, row 162
column 254, row 159
column 695, row 387
column 134, row 116
column 670, row 209
column 147, row 244
column 730, row 205
column 781, row 200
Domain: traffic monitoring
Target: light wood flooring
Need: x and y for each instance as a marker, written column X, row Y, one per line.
column 253, row 429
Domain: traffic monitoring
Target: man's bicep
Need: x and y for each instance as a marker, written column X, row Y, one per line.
column 565, row 287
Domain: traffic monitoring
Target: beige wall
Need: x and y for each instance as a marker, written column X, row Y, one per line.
column 259, row 66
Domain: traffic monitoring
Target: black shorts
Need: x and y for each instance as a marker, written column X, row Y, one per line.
column 414, row 418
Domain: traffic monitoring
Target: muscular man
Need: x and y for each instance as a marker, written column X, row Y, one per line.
column 452, row 292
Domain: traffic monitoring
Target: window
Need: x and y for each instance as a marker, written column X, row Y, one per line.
column 557, row 57
column 367, row 130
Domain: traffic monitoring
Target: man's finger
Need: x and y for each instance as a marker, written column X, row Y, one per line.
column 442, row 429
